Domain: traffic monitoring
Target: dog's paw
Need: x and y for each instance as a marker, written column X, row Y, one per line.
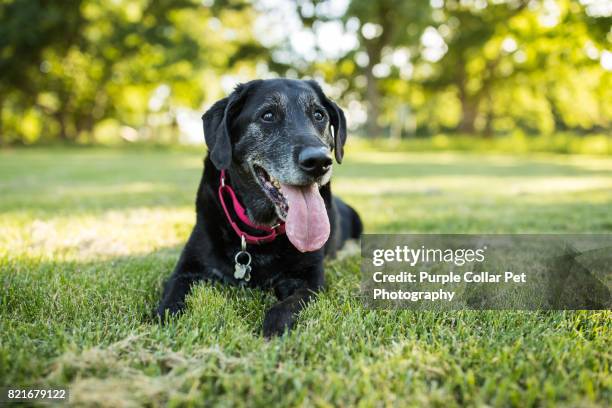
column 278, row 319
column 164, row 312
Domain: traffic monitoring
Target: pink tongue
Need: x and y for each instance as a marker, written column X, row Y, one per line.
column 307, row 225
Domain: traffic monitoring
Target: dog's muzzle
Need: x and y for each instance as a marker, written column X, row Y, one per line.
column 315, row 161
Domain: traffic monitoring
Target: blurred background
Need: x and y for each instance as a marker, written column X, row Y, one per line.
column 436, row 74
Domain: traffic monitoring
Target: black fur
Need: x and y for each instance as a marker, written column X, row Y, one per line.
column 237, row 138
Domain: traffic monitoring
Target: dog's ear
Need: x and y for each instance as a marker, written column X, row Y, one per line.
column 217, row 122
column 337, row 120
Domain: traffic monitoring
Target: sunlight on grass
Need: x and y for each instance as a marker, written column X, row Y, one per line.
column 113, row 233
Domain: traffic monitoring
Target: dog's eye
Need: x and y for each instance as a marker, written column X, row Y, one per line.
column 318, row 115
column 267, row 116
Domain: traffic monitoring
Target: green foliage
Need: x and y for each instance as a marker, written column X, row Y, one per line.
column 86, row 244
column 109, row 63
column 502, row 65
column 49, row 24
column 510, row 70
column 90, row 71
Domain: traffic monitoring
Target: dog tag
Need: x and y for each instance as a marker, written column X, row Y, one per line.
column 242, row 271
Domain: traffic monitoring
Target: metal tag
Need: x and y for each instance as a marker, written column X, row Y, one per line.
column 242, row 270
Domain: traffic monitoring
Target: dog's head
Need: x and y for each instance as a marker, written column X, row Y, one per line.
column 276, row 137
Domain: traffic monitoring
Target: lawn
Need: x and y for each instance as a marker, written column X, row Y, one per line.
column 87, row 237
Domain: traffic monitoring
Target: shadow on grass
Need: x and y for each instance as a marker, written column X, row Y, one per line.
column 52, row 307
column 100, row 291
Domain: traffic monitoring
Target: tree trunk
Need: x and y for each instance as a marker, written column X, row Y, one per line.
column 63, row 133
column 2, row 141
column 374, row 48
column 560, row 124
column 89, row 129
column 373, row 104
column 84, row 126
column 469, row 111
column 488, row 130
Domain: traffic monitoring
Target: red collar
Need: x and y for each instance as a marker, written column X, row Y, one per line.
column 271, row 233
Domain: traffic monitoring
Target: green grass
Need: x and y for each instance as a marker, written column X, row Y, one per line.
column 88, row 235
column 517, row 142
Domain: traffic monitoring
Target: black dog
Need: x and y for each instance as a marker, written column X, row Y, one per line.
column 270, row 145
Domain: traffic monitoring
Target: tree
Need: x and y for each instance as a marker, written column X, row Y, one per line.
column 90, row 60
column 27, row 29
column 523, row 62
column 466, row 65
column 385, row 24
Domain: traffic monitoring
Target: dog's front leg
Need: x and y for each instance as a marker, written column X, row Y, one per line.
column 188, row 271
column 293, row 294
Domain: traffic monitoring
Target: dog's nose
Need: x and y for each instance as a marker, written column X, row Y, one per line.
column 315, row 160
